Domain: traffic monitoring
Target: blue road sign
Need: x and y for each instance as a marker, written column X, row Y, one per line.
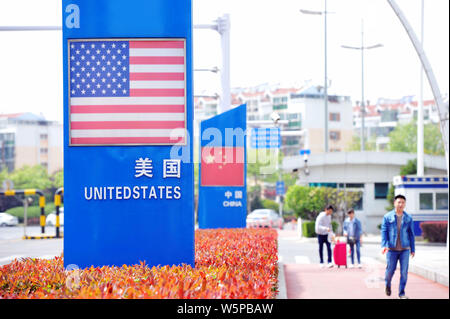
column 265, row 137
column 128, row 114
column 280, row 188
column 223, row 170
column 305, row 152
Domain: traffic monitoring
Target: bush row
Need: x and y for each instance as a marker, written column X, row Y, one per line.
column 308, row 228
column 435, row 232
column 229, row 263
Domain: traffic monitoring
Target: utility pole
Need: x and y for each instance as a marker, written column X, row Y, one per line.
column 420, row 136
column 363, row 108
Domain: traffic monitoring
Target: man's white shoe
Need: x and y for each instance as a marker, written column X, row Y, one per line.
column 321, row 265
column 330, row 265
column 359, row 266
column 351, row 266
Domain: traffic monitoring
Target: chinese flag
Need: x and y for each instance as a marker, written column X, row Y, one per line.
column 222, row 166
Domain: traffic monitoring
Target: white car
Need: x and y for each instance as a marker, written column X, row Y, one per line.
column 264, row 218
column 50, row 220
column 8, row 220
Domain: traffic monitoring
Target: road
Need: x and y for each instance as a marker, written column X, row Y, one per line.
column 13, row 246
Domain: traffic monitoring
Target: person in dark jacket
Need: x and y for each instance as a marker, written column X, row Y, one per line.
column 353, row 231
column 397, row 240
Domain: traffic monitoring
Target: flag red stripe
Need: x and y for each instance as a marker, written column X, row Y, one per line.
column 127, row 140
column 100, row 125
column 156, row 44
column 127, row 108
column 157, row 92
column 156, row 59
column 222, row 166
column 156, row 76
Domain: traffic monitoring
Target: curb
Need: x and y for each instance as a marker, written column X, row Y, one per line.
column 282, row 292
column 425, row 273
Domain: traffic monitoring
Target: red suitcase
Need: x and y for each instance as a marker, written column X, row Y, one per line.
column 340, row 254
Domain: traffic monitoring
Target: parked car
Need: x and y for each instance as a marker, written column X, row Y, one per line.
column 264, row 218
column 8, row 220
column 51, row 218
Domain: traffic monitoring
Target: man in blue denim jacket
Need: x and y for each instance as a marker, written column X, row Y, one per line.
column 397, row 239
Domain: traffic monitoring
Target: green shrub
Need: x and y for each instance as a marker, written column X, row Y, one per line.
column 270, row 204
column 435, row 232
column 32, row 211
column 308, row 229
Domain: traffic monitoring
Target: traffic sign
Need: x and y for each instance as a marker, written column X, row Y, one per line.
column 305, row 152
column 265, row 137
column 280, row 188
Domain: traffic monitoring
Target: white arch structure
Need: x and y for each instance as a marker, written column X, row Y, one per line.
column 441, row 106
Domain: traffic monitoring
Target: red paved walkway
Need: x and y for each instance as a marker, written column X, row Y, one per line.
column 311, row 282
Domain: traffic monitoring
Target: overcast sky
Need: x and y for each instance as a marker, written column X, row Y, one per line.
column 271, row 42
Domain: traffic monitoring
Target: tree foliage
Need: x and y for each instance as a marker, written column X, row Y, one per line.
column 404, row 139
column 306, row 202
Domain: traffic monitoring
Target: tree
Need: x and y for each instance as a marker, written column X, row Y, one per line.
column 355, row 145
column 31, row 177
column 409, row 169
column 404, row 139
column 58, row 179
column 307, row 202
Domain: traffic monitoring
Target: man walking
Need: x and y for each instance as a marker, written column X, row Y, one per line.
column 323, row 228
column 397, row 239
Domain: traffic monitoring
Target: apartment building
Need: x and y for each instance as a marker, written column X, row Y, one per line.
column 383, row 117
column 29, row 139
column 304, row 110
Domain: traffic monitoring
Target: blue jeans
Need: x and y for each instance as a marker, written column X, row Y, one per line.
column 392, row 257
column 352, row 252
column 323, row 239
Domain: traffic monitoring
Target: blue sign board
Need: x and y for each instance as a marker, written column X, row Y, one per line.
column 223, row 169
column 128, row 114
column 265, row 137
column 305, row 152
column 280, row 188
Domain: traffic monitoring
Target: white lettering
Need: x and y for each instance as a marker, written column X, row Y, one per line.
column 90, row 193
column 136, row 193
column 177, row 192
column 126, row 192
column 73, row 19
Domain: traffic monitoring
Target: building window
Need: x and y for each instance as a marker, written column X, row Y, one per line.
column 335, row 117
column 442, row 201
column 44, row 137
column 44, row 150
column 381, row 190
column 335, row 135
column 426, row 201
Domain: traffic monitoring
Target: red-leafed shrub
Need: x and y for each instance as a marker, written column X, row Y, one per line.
column 435, row 232
column 229, row 263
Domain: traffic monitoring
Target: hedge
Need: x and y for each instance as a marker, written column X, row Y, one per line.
column 309, row 228
column 435, row 232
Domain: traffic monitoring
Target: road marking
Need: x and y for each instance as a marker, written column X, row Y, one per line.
column 302, row 260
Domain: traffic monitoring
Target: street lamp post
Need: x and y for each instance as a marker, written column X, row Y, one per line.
column 325, row 87
column 362, row 48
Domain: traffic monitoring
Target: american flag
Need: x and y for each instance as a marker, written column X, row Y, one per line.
column 127, row 92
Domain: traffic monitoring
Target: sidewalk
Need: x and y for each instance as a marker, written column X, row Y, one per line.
column 431, row 263
column 427, row 279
